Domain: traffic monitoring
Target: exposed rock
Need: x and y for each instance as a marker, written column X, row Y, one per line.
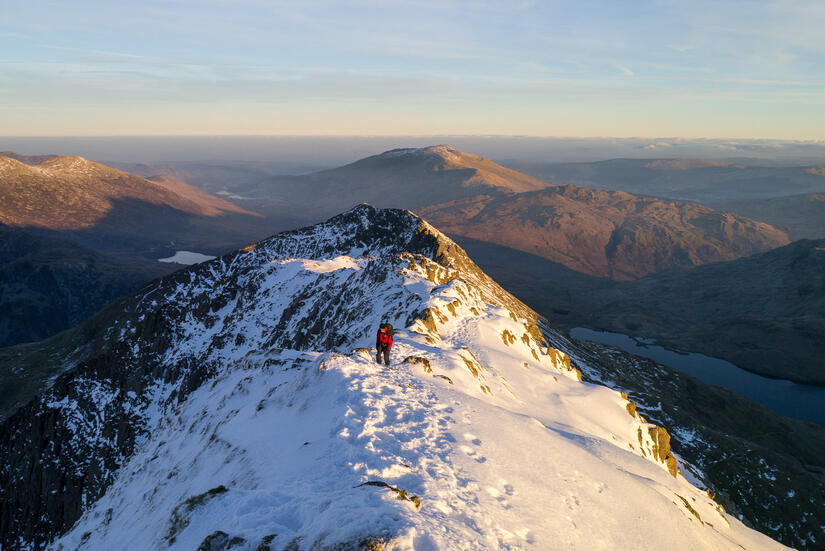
column 690, row 508
column 220, row 541
column 180, row 518
column 400, row 494
column 266, row 542
column 419, row 360
column 661, row 447
column 444, row 377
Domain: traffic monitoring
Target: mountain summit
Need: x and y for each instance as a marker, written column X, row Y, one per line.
column 479, row 172
column 237, row 404
column 403, row 178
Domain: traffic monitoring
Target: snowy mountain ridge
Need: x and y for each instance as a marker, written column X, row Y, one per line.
column 243, row 409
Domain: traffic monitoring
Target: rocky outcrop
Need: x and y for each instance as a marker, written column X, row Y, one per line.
column 181, row 515
column 657, row 443
column 399, row 493
column 60, row 452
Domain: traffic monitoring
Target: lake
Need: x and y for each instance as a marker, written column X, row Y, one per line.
column 784, row 397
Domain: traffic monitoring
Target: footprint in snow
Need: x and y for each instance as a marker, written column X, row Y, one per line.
column 472, row 438
column 474, row 454
column 499, row 497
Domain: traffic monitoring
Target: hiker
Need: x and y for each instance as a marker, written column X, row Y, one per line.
column 383, row 342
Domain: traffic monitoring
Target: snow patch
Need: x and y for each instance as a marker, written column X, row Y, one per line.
column 187, row 258
column 326, row 265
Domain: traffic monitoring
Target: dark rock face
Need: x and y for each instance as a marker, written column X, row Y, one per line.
column 53, row 464
column 49, row 284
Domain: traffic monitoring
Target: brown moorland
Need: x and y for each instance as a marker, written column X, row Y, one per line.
column 607, row 234
column 71, row 193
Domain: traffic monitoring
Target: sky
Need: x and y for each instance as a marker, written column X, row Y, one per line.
column 715, row 69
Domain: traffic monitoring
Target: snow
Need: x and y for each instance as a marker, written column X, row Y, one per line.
column 186, row 257
column 342, row 262
column 442, row 150
column 499, row 439
column 230, row 195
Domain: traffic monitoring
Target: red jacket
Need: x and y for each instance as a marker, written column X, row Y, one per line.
column 383, row 338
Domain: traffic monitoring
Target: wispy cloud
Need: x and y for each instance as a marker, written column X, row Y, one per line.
column 494, row 66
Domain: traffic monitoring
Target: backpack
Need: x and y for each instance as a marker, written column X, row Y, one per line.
column 385, row 337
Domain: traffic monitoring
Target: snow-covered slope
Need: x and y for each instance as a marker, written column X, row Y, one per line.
column 259, row 419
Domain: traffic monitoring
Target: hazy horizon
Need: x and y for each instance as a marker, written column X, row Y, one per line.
column 328, row 151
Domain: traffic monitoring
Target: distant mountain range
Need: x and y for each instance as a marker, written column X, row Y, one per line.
column 608, row 234
column 800, row 216
column 783, row 196
column 110, row 210
column 707, row 182
column 75, row 234
column 70, row 193
column 615, row 235
column 27, row 159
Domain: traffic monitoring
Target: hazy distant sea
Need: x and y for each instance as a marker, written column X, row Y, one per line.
column 336, row 150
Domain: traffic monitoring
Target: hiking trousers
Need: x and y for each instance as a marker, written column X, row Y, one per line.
column 386, row 353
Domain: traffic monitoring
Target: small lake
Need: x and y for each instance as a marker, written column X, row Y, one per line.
column 784, row 397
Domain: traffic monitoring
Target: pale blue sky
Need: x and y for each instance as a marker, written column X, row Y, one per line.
column 588, row 68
